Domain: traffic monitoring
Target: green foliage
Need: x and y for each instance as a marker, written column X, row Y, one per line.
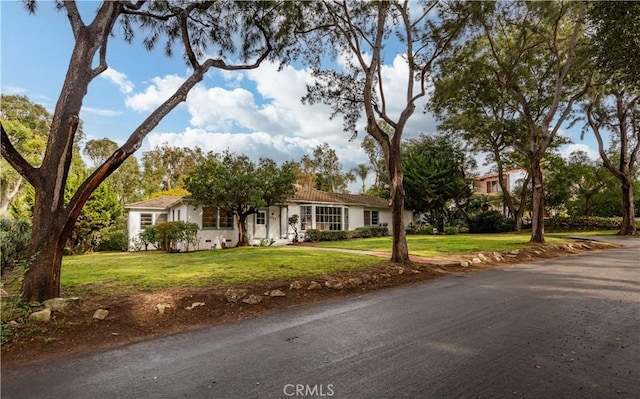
column 614, row 43
column 582, row 223
column 322, row 170
column 450, row 230
column 237, row 184
column 14, row 242
column 490, row 222
column 167, row 167
column 170, row 234
column 434, row 175
column 314, row 235
column 369, row 231
column 148, row 236
column 114, row 239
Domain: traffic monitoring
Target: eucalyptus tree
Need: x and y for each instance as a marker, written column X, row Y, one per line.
column 165, row 167
column 529, row 50
column 364, row 37
column 613, row 106
column 243, row 31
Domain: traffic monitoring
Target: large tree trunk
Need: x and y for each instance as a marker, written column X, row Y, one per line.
column 399, row 250
column 537, row 222
column 48, row 237
column 242, row 230
column 628, row 226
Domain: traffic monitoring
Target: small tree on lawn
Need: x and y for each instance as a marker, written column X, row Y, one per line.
column 236, row 184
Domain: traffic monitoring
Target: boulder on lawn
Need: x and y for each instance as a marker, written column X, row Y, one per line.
column 42, row 316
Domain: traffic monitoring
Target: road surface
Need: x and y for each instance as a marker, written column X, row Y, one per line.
column 560, row 328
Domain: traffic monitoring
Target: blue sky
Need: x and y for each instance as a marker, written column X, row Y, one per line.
column 257, row 112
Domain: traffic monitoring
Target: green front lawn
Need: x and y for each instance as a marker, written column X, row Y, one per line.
column 102, row 272
column 440, row 245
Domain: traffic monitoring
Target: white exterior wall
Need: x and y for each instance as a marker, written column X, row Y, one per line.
column 133, row 223
column 277, row 226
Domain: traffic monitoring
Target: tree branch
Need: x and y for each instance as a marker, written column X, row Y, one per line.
column 15, row 159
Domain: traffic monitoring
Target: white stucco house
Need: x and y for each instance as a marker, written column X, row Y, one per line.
column 218, row 229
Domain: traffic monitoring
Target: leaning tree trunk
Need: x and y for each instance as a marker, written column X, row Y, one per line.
column 628, row 226
column 242, row 230
column 537, row 222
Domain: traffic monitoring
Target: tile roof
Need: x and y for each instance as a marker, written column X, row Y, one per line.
column 301, row 195
column 308, row 194
column 155, row 203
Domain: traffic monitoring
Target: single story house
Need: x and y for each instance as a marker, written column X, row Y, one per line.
column 218, row 229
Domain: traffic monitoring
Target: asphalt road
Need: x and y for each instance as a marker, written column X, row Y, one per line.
column 561, row 328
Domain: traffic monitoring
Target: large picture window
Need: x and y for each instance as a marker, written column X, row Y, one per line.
column 226, row 219
column 328, row 218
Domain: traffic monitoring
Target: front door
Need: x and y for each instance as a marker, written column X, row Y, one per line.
column 260, row 225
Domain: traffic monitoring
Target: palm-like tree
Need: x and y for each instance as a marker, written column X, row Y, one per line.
column 362, row 171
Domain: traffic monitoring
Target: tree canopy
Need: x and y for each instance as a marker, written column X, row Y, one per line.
column 236, row 184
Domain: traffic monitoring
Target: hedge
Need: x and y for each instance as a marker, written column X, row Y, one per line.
column 582, row 223
column 336, row 235
column 490, row 222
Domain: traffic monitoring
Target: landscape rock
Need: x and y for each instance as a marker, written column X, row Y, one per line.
column 277, row 293
column 513, row 252
column 162, row 307
column 233, row 295
column 194, row 305
column 100, row 314
column 42, row 316
column 354, row 282
column 386, row 275
column 414, row 271
column 482, row 257
column 314, row 286
column 338, row 286
column 498, row 257
column 365, row 277
column 400, row 270
column 296, row 285
column 476, row 260
column 464, row 264
column 252, row 299
column 60, row 304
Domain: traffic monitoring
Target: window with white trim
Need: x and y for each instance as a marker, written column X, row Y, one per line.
column 371, row 218
column 306, row 217
column 146, row 220
column 328, row 218
column 216, row 218
column 261, row 217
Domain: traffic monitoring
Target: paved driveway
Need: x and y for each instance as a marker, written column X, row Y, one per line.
column 559, row 328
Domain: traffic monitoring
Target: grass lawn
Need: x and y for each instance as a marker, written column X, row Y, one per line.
column 439, row 245
column 102, row 272
column 154, row 270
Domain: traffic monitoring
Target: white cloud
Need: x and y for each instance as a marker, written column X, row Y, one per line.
column 567, row 149
column 99, row 111
column 13, row 90
column 119, row 79
column 158, row 92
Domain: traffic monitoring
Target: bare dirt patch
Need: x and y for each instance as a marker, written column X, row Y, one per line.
column 134, row 316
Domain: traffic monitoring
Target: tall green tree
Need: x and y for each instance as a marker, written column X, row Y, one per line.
column 530, row 50
column 434, row 170
column 26, row 123
column 126, row 180
column 166, row 167
column 362, row 171
column 380, row 186
column 613, row 106
column 236, row 184
column 362, row 33
column 244, row 31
